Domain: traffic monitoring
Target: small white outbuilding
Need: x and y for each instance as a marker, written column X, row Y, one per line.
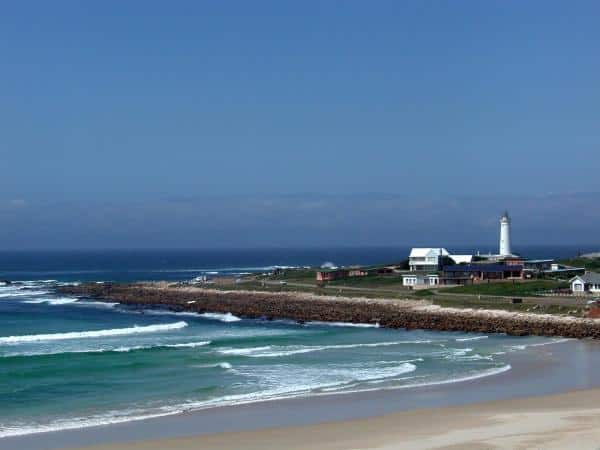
column 588, row 283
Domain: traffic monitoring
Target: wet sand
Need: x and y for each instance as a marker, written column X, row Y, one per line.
column 562, row 421
column 377, row 418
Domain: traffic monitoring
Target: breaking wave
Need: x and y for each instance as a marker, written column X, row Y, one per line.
column 475, row 338
column 122, row 349
column 22, row 293
column 221, row 365
column 222, row 317
column 92, row 334
column 53, row 301
column 344, row 324
column 272, row 351
column 274, row 394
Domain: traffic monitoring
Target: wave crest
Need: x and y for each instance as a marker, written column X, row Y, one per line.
column 92, row 334
column 272, row 351
column 222, row 317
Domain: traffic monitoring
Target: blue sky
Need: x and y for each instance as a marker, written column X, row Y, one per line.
column 114, row 114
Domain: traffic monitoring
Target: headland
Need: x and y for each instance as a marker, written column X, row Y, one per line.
column 302, row 306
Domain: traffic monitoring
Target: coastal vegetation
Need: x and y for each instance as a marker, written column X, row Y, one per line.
column 520, row 288
column 447, row 297
column 371, row 281
column 292, row 275
column 308, row 277
column 530, row 305
column 590, row 264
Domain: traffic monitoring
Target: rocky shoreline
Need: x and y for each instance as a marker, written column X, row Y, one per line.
column 303, row 307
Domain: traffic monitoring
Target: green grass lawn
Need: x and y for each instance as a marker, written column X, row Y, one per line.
column 592, row 264
column 541, row 305
column 524, row 288
column 475, row 303
column 295, row 275
column 370, row 281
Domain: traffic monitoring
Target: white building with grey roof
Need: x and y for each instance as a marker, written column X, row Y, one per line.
column 588, row 283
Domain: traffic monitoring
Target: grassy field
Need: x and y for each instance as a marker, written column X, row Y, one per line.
column 592, row 264
column 371, row 282
column 296, row 276
column 538, row 308
column 535, row 305
column 525, row 288
column 257, row 285
column 308, row 276
column 540, row 305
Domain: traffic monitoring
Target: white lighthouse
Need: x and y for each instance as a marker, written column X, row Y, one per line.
column 505, row 235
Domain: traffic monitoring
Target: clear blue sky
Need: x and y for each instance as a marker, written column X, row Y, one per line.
column 127, row 109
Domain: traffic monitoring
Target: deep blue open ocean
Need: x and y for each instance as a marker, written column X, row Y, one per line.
column 74, row 362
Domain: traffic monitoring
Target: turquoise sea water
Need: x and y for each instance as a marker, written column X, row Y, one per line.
column 70, row 363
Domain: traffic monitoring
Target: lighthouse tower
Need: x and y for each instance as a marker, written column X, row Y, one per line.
column 505, row 235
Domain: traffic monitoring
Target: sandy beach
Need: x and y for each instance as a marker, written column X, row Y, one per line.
column 561, row 421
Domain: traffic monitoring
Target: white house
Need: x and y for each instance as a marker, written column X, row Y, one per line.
column 588, row 283
column 417, row 280
column 427, row 259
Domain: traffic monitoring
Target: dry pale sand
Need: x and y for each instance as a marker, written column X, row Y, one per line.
column 563, row 421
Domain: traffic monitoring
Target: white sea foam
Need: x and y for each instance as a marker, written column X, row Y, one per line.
column 268, row 395
column 243, row 351
column 539, row 344
column 344, row 324
column 54, row 301
column 273, row 351
column 122, row 349
column 188, row 344
column 85, row 422
column 482, row 374
column 22, row 293
column 221, row 365
column 160, row 312
column 378, row 373
column 34, row 282
column 475, row 338
column 305, row 380
column 97, row 304
column 475, row 376
column 92, row 334
column 222, row 317
column 458, row 352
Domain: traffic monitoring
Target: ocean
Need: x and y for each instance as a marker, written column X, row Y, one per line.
column 70, row 363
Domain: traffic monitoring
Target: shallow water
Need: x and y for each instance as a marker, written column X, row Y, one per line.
column 69, row 363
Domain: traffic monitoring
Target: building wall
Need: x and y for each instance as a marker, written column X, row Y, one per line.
column 330, row 276
column 579, row 287
column 420, row 280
